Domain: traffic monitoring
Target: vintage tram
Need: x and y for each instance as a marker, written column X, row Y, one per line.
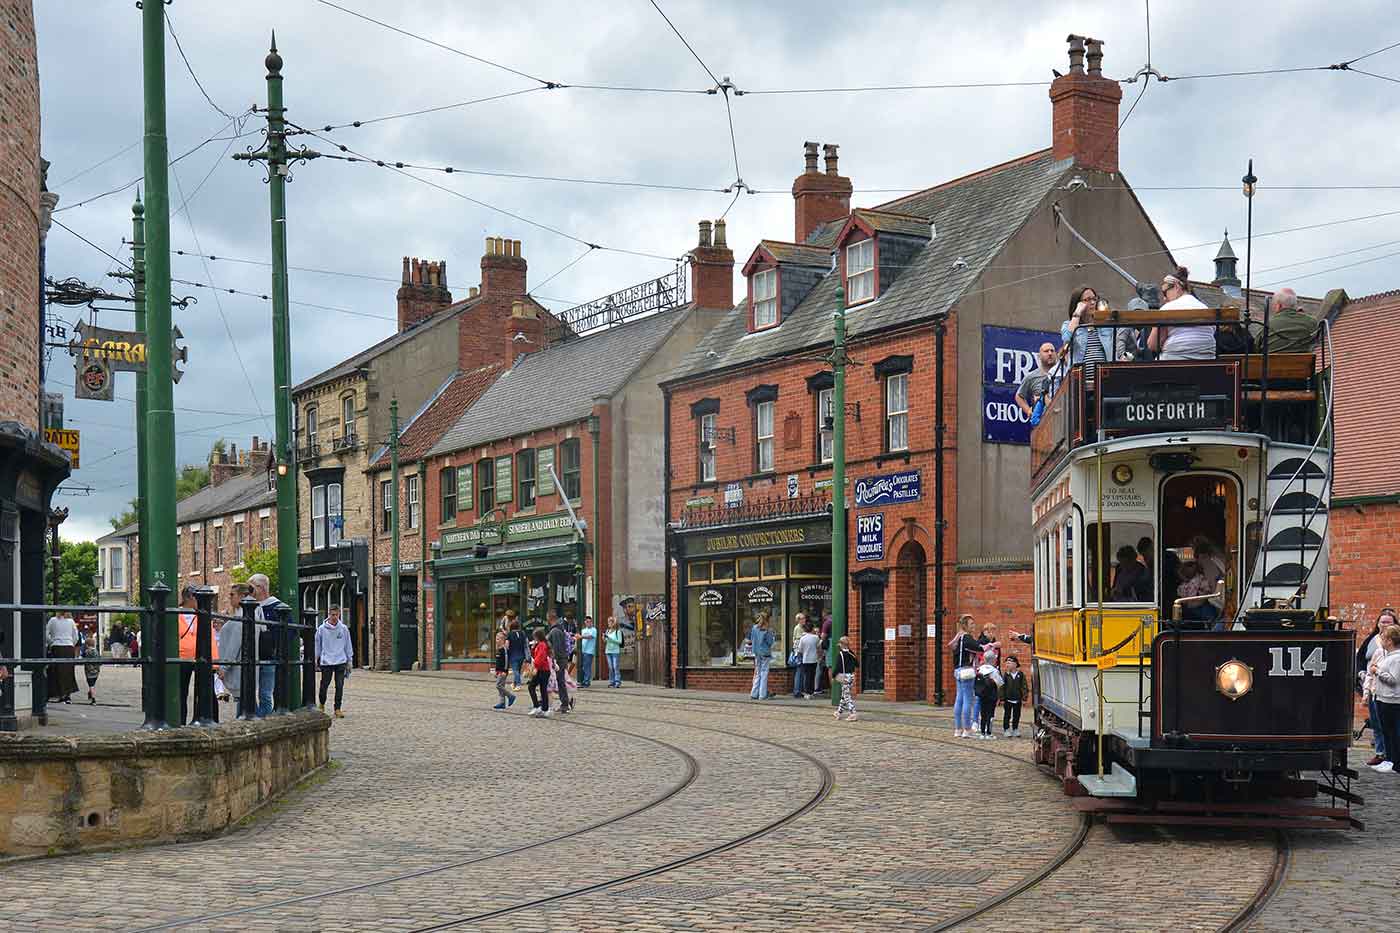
column 1224, row 707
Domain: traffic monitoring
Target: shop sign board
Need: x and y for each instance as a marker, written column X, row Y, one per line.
column 504, row 480
column 711, row 598
column 1008, row 356
column 544, row 471
column 888, row 489
column 792, row 486
column 733, row 496
column 761, row 595
column 870, row 536
column 526, row 528
column 65, row 439
column 509, row 587
column 700, row 502
column 761, row 539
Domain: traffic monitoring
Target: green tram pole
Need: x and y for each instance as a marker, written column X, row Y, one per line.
column 277, row 160
column 161, row 552
column 838, row 489
column 394, row 536
column 138, row 281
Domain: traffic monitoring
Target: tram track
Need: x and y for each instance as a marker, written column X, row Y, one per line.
column 1283, row 856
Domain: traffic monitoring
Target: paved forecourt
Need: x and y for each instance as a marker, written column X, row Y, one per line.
column 764, row 813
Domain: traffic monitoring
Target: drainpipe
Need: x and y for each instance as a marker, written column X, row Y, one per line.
column 940, row 330
column 671, row 618
column 423, row 566
column 595, row 426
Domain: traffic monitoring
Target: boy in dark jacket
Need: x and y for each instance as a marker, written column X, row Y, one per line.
column 1013, row 692
column 985, row 686
column 845, row 673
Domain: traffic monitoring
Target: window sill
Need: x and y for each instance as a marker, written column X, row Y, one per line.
column 892, row 455
column 448, row 524
column 766, row 474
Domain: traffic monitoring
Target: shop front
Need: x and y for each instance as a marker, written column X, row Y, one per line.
column 529, row 564
column 339, row 576
column 730, row 577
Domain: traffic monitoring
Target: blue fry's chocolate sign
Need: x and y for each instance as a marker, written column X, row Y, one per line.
column 889, row 488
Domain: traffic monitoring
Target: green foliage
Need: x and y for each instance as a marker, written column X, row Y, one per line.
column 127, row 517
column 76, row 567
column 258, row 561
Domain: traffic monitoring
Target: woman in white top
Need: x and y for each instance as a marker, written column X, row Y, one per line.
column 1181, row 343
column 61, row 640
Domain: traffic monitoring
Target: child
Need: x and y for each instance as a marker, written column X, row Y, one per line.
column 845, row 674
column 1193, row 583
column 1385, row 685
column 539, row 681
column 1013, row 691
column 507, row 698
column 986, row 683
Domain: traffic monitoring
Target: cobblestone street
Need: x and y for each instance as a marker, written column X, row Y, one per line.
column 656, row 810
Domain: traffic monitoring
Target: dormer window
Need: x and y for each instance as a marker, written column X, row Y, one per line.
column 765, row 298
column 860, row 271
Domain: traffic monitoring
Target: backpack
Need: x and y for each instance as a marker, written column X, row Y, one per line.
column 1233, row 339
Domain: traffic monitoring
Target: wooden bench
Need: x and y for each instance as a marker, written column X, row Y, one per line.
column 1284, row 367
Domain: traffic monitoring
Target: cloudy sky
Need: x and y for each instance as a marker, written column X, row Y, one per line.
column 1304, row 129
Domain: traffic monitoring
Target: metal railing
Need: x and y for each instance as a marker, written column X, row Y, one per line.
column 158, row 665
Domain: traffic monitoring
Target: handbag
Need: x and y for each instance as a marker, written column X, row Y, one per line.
column 965, row 673
column 527, row 670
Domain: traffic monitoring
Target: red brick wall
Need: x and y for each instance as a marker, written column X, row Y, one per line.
column 1364, row 559
column 19, row 216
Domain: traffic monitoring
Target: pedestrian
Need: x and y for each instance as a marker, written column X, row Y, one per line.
column 823, row 655
column 269, row 642
column 507, row 697
column 761, row 637
column 61, row 641
column 116, row 640
column 90, row 671
column 987, row 684
column 1013, row 692
column 517, row 646
column 795, row 656
column 1386, row 669
column 612, row 646
column 587, row 647
column 560, row 647
column 991, row 652
column 230, row 670
column 844, row 673
column 187, row 626
column 809, row 646
column 133, row 642
column 335, row 656
column 966, row 652
column 539, row 677
column 1368, row 651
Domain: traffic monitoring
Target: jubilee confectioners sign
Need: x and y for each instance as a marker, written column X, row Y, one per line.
column 766, row 539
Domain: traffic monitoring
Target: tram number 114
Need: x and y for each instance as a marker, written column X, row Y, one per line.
column 1316, row 664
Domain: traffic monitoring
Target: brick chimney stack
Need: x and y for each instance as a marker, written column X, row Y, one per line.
column 423, row 291
column 712, row 268
column 502, row 269
column 819, row 198
column 486, row 331
column 1085, row 109
column 524, row 330
column 228, row 465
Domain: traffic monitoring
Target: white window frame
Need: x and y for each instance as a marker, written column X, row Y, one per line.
column 196, row 535
column 318, row 517
column 763, row 442
column 312, row 424
column 335, row 508
column 386, row 506
column 826, row 438
column 709, row 425
column 117, row 576
column 411, row 500
column 239, row 545
column 765, row 299
column 860, row 271
column 347, row 418
column 897, row 411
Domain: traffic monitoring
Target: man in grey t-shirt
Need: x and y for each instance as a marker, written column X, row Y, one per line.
column 1037, row 381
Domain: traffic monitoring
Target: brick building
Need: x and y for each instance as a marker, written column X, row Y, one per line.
column 1364, row 520
column 749, row 448
column 342, row 415
column 493, row 526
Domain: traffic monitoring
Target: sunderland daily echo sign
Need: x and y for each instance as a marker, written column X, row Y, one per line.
column 1008, row 356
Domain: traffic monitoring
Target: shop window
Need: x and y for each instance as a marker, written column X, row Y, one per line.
column 812, row 598
column 722, row 571
column 572, row 474
column 810, row 565
column 411, row 495
column 486, row 486
column 386, row 505
column 756, row 600
column 454, row 619
column 525, row 479
column 774, row 566
column 710, row 626
column 749, row 567
column 479, row 617
column 698, row 571
column 564, row 589
column 537, row 599
column 860, row 271
column 447, row 484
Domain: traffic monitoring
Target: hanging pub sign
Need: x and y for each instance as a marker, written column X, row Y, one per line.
column 1174, row 396
column 92, row 379
column 888, row 488
column 123, row 350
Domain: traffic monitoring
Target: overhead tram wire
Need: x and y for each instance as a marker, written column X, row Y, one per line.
column 466, row 197
column 356, row 124
column 96, row 165
column 1372, row 74
column 170, row 26
column 1349, row 265
column 573, row 262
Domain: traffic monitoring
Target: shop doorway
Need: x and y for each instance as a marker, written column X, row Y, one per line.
column 408, row 621
column 648, row 630
column 872, row 635
column 911, row 595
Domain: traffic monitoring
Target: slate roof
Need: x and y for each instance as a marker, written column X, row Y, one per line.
column 975, row 215
column 238, row 494
column 1213, row 296
column 347, row 366
column 797, row 253
column 891, row 222
column 557, row 385
column 438, row 414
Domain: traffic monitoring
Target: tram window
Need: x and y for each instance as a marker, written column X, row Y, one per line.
column 1056, row 597
column 1116, row 536
column 1069, row 564
column 1036, row 572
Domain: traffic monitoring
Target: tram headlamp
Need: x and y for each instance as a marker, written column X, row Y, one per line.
column 1234, row 679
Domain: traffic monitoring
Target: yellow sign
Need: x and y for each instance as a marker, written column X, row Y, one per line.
column 64, row 439
column 1107, row 661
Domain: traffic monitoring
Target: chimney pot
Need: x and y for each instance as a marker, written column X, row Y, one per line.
column 489, row 244
column 473, row 292
column 829, row 151
column 809, row 156
column 442, row 273
column 1095, row 57
column 1076, row 54
column 819, row 198
column 720, row 241
column 404, row 280
column 704, row 233
column 712, row 269
column 515, row 249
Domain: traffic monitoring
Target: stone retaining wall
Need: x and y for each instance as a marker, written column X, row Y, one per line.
column 65, row 794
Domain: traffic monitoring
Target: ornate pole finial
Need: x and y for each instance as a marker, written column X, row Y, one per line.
column 273, row 60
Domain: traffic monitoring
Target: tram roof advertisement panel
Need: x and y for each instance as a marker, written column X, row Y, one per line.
column 1008, row 356
column 1140, row 398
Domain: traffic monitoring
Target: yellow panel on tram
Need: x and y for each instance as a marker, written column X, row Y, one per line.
column 1075, row 636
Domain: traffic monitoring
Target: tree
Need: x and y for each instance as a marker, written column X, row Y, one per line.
column 127, row 517
column 192, row 479
column 77, row 565
column 258, row 561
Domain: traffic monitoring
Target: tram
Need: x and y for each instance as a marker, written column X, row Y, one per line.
column 1226, row 707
